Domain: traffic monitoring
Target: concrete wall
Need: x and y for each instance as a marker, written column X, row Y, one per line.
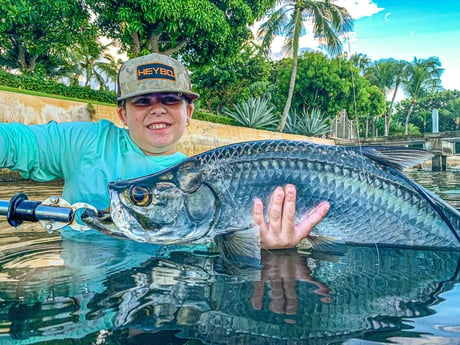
column 16, row 107
column 200, row 135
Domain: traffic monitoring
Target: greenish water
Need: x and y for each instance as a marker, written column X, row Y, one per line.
column 92, row 289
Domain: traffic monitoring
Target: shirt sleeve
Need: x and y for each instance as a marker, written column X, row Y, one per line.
column 43, row 152
column 86, row 155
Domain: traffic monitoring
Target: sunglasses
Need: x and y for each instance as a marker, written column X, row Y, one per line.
column 166, row 98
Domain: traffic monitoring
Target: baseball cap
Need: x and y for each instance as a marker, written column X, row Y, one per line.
column 153, row 73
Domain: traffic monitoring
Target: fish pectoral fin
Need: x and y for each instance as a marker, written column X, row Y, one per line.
column 325, row 244
column 240, row 246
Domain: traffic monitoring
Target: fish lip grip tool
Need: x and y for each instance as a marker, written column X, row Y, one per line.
column 53, row 213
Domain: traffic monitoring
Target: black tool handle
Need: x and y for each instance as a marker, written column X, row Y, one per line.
column 19, row 209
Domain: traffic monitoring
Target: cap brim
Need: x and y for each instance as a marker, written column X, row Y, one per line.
column 191, row 95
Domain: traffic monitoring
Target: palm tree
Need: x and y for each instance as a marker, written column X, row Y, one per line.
column 93, row 64
column 361, row 61
column 423, row 76
column 399, row 72
column 387, row 75
column 290, row 18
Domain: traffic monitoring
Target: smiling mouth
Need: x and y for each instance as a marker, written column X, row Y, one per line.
column 158, row 126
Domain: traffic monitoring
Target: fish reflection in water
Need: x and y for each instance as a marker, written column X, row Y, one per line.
column 296, row 298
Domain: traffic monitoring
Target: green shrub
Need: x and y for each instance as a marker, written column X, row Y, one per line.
column 42, row 85
column 39, row 84
column 203, row 115
column 311, row 123
column 254, row 113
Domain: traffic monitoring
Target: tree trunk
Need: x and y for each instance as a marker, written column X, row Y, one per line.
column 409, row 113
column 287, row 106
column 22, row 58
column 367, row 128
column 136, row 43
column 390, row 110
column 295, row 52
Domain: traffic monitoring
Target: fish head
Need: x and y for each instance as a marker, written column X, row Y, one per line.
column 172, row 206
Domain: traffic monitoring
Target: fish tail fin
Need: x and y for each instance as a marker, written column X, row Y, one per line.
column 438, row 205
column 404, row 157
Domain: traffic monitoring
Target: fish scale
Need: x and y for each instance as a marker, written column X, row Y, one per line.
column 372, row 201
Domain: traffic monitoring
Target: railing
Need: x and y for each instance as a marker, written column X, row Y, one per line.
column 442, row 144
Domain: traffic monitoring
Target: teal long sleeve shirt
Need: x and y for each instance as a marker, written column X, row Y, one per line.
column 86, row 155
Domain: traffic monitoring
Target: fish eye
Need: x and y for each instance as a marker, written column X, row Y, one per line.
column 140, row 195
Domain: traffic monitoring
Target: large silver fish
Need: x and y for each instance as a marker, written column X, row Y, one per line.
column 209, row 197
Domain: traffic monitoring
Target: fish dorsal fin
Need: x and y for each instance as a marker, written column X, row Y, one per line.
column 398, row 157
column 240, row 246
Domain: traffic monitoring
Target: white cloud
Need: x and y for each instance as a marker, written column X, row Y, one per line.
column 360, row 8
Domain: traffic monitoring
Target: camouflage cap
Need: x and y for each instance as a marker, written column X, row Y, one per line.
column 153, row 73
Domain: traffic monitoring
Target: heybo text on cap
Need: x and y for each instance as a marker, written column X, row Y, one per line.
column 155, row 71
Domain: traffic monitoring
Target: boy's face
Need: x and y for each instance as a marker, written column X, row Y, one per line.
column 156, row 121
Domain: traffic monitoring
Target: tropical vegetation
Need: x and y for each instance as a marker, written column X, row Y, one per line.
column 311, row 124
column 290, row 19
column 66, row 48
column 255, row 112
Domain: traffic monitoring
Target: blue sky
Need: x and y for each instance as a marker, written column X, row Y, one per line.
column 406, row 29
column 403, row 29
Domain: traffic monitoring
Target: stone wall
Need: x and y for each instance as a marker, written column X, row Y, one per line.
column 27, row 109
column 200, row 135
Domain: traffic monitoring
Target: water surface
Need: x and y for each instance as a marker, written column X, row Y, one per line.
column 97, row 290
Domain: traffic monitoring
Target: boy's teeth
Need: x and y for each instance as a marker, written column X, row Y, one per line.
column 158, row 126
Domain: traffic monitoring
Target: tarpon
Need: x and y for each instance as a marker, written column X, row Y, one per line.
column 210, row 196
